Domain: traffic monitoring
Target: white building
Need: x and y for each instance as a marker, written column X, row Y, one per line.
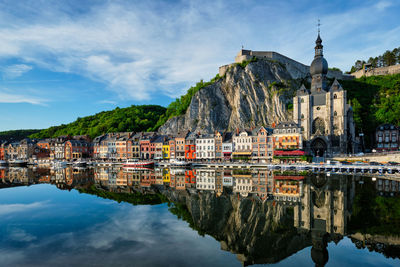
column 205, row 180
column 205, row 147
column 242, row 144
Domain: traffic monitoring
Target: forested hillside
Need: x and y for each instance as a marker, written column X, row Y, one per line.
column 17, row 134
column 375, row 100
column 133, row 118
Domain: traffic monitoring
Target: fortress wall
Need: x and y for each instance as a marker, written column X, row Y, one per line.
column 377, row 71
column 295, row 68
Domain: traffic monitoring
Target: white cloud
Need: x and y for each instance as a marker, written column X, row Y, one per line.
column 6, row 209
column 163, row 47
column 19, row 98
column 14, row 71
column 21, row 236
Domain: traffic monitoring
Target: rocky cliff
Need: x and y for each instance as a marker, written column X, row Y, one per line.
column 246, row 96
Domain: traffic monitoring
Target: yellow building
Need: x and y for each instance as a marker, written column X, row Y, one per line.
column 166, row 176
column 166, row 151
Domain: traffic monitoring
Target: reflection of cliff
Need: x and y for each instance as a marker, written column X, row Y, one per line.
column 269, row 231
column 257, row 232
column 387, row 245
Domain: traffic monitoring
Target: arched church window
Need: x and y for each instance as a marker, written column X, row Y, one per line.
column 302, row 116
column 335, row 113
column 318, row 126
column 302, row 100
column 335, row 96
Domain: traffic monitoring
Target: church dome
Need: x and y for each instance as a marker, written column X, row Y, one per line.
column 319, row 66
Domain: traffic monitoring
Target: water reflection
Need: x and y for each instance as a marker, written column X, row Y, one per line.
column 262, row 216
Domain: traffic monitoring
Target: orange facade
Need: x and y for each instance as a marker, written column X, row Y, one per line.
column 2, row 153
column 190, row 151
column 287, row 142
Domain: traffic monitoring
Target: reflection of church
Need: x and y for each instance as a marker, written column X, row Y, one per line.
column 325, row 117
column 324, row 210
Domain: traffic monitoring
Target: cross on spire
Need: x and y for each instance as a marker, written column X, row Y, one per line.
column 319, row 24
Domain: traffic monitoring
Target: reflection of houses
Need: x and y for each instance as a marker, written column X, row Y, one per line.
column 288, row 188
column 243, row 184
column 387, row 187
column 205, row 179
column 262, row 183
column 190, row 178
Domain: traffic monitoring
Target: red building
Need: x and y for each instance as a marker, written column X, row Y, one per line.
column 190, row 147
column 145, row 149
column 75, row 149
column 2, row 153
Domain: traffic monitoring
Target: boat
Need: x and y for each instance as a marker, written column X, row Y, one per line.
column 80, row 163
column 3, row 163
column 178, row 163
column 138, row 164
column 18, row 163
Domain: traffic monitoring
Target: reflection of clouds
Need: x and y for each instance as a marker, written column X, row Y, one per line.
column 15, row 208
column 21, row 235
column 139, row 235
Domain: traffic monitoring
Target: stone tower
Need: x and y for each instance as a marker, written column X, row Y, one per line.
column 325, row 117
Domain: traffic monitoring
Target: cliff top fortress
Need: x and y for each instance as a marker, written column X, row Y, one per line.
column 295, row 68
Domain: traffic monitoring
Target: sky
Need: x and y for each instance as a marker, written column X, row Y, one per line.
column 60, row 60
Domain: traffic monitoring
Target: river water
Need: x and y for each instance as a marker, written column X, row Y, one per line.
column 203, row 217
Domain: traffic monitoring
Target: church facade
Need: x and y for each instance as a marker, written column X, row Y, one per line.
column 323, row 112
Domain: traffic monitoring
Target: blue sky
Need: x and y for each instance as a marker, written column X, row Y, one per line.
column 60, row 60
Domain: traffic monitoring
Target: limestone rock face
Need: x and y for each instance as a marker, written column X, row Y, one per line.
column 245, row 97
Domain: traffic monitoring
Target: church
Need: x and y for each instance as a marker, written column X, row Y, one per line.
column 323, row 113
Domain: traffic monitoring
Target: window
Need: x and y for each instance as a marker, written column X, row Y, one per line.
column 334, row 96
column 335, row 113
column 302, row 116
column 318, row 126
column 302, row 100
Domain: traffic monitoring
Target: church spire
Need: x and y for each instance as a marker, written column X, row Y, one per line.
column 318, row 43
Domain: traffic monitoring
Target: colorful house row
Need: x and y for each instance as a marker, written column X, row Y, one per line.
column 259, row 144
column 63, row 147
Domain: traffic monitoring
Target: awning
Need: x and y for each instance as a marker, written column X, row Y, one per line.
column 241, row 153
column 289, row 153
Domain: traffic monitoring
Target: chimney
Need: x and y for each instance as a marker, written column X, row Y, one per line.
column 237, row 131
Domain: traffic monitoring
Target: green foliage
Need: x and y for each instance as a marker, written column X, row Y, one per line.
column 244, row 63
column 17, row 134
column 389, row 58
column 134, row 198
column 375, row 100
column 133, row 118
column 335, row 69
column 180, row 105
column 373, row 214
